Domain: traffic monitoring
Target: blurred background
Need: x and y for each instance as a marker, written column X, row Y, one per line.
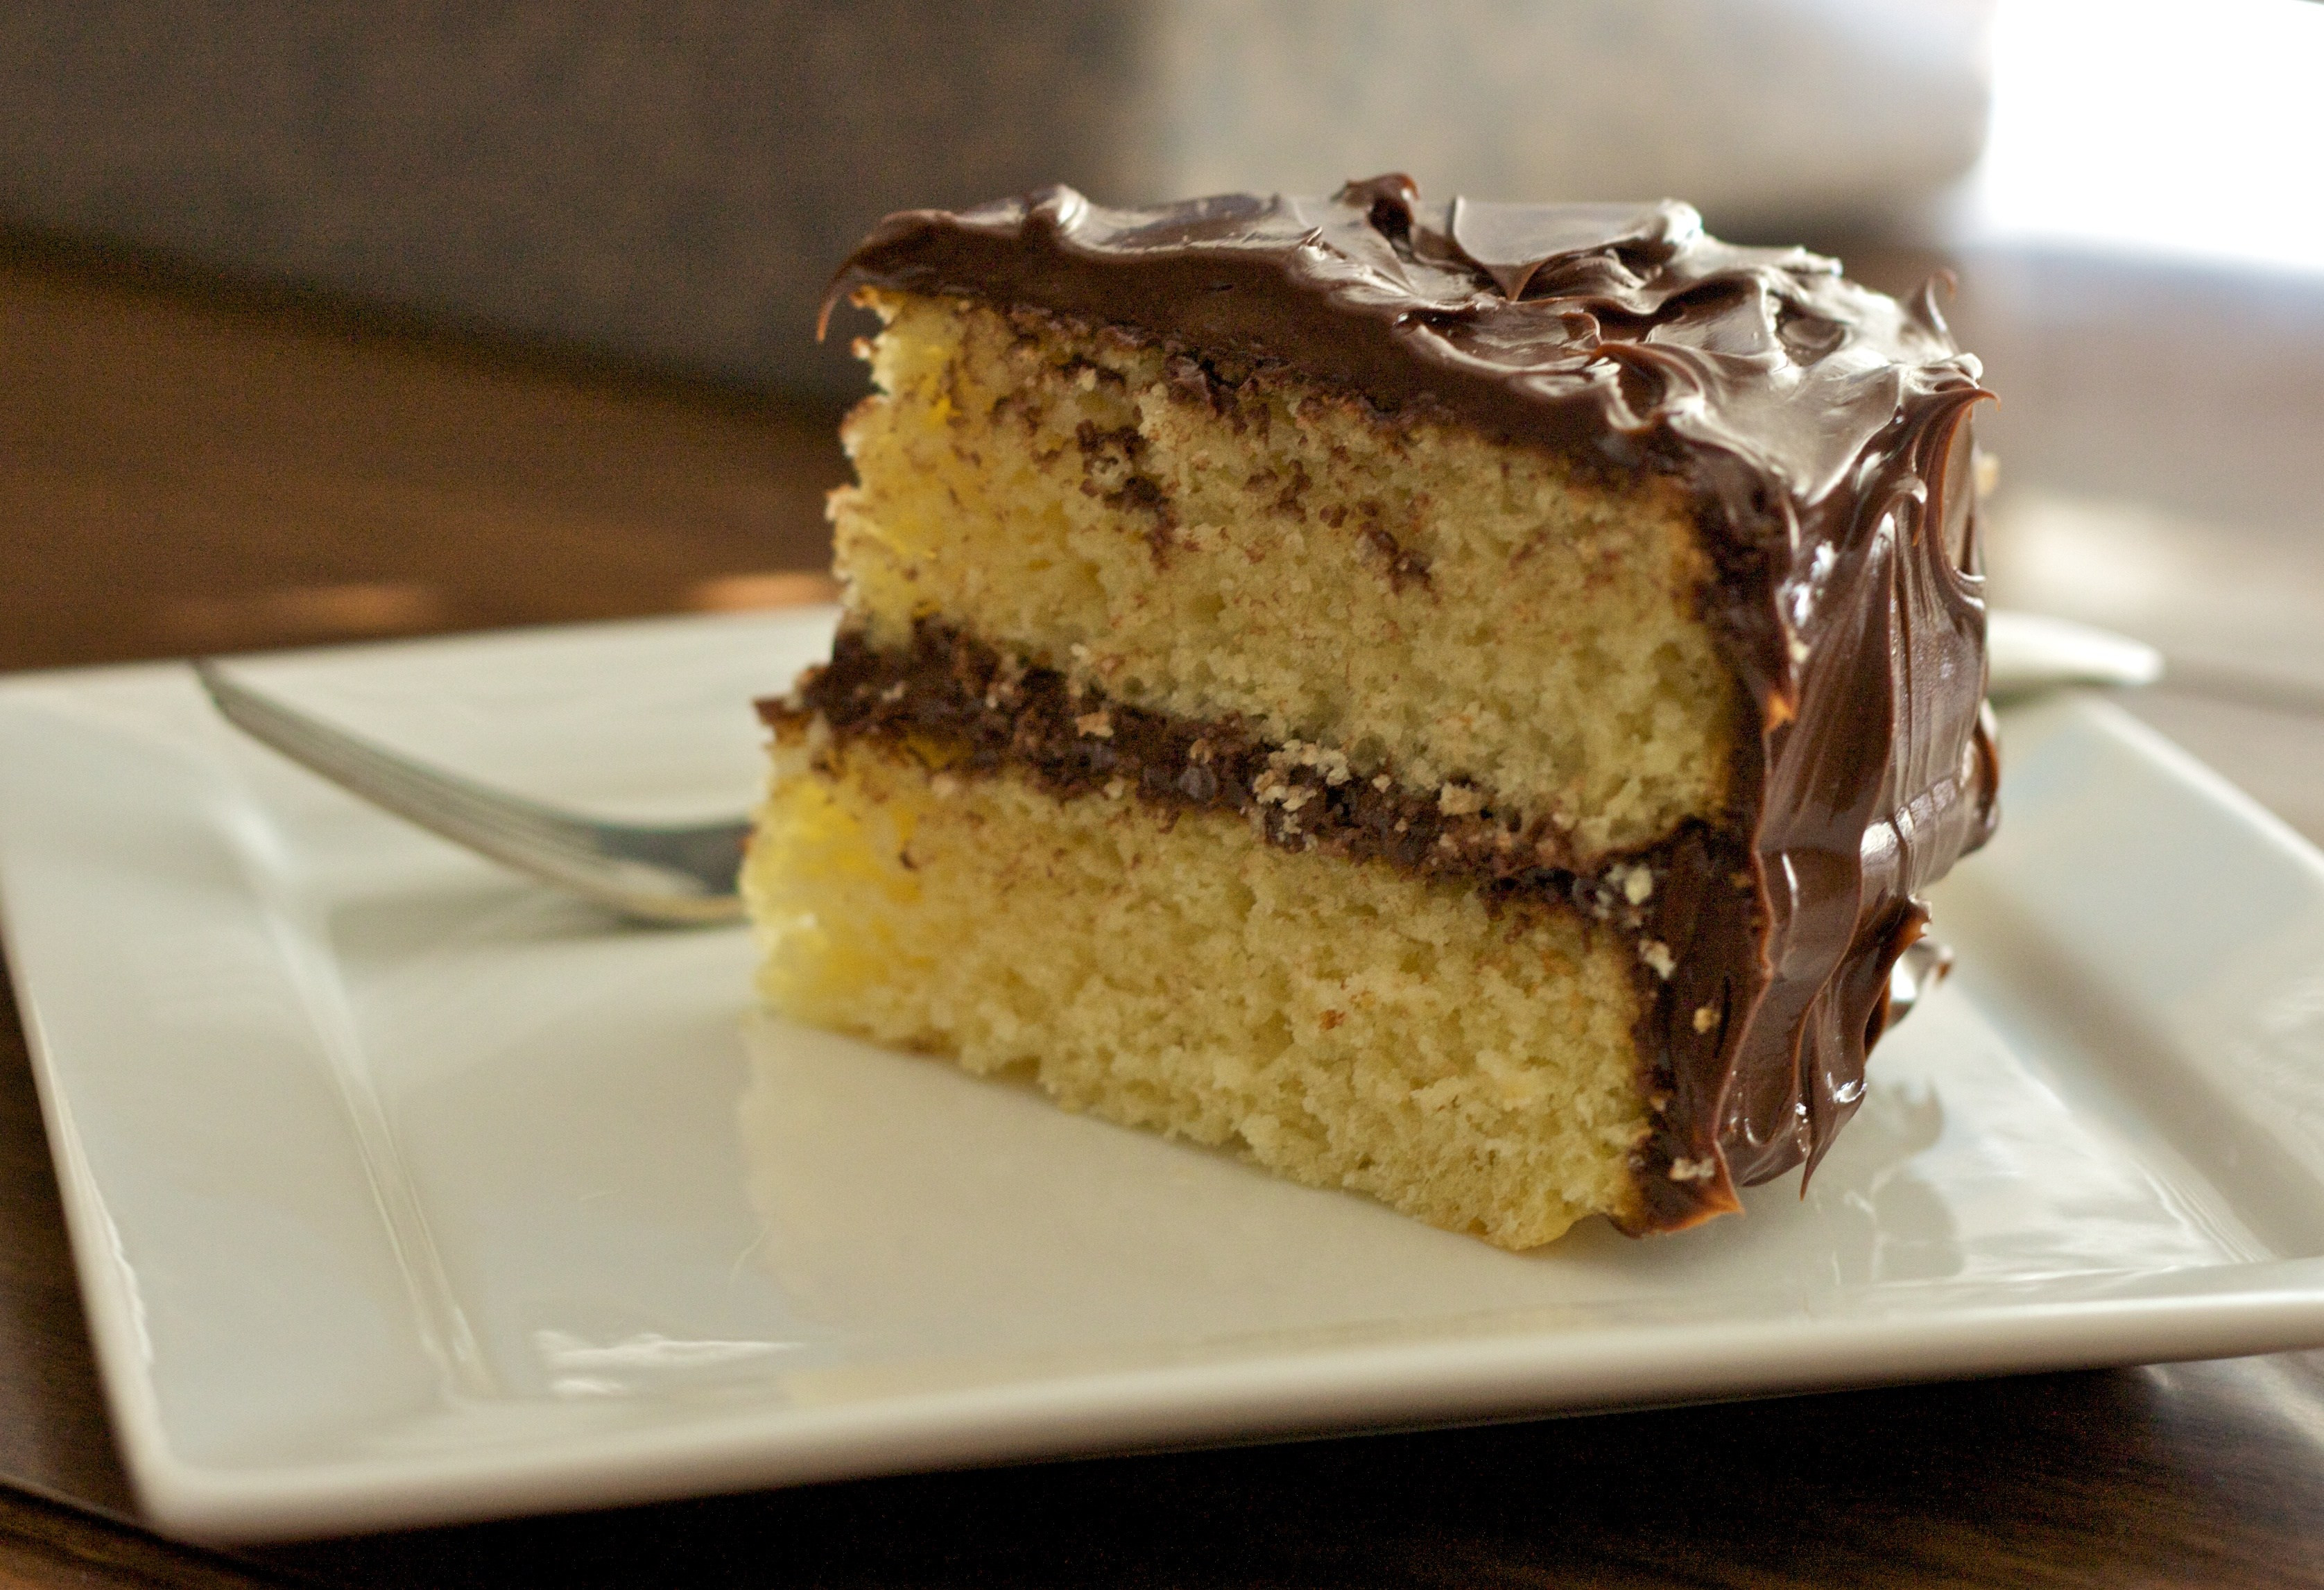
column 675, row 182
column 350, row 320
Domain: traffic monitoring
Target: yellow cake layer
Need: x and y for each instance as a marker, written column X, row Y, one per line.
column 1060, row 495
column 1341, row 1024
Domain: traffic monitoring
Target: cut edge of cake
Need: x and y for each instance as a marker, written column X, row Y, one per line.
column 1326, row 772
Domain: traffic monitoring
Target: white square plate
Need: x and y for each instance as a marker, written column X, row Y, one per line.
column 405, row 1192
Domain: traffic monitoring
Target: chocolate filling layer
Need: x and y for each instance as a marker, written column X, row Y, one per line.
column 1685, row 904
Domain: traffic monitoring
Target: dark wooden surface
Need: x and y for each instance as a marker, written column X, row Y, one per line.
column 183, row 467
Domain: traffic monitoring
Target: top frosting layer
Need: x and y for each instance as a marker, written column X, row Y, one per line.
column 1621, row 325
column 1823, row 429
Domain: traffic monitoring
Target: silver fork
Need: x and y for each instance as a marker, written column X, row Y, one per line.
column 668, row 875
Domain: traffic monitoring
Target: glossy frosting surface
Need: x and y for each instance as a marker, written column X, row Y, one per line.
column 1823, row 429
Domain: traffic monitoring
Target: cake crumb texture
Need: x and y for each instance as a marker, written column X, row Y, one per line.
column 1208, row 541
column 1343, row 1024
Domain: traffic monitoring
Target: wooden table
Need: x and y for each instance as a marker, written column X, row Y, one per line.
column 184, row 466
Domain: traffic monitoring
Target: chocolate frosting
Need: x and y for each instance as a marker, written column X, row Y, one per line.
column 1824, row 431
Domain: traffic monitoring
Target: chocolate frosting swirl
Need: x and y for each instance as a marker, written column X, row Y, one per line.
column 1824, row 431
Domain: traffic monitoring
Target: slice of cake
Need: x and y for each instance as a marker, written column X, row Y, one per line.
column 1455, row 703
